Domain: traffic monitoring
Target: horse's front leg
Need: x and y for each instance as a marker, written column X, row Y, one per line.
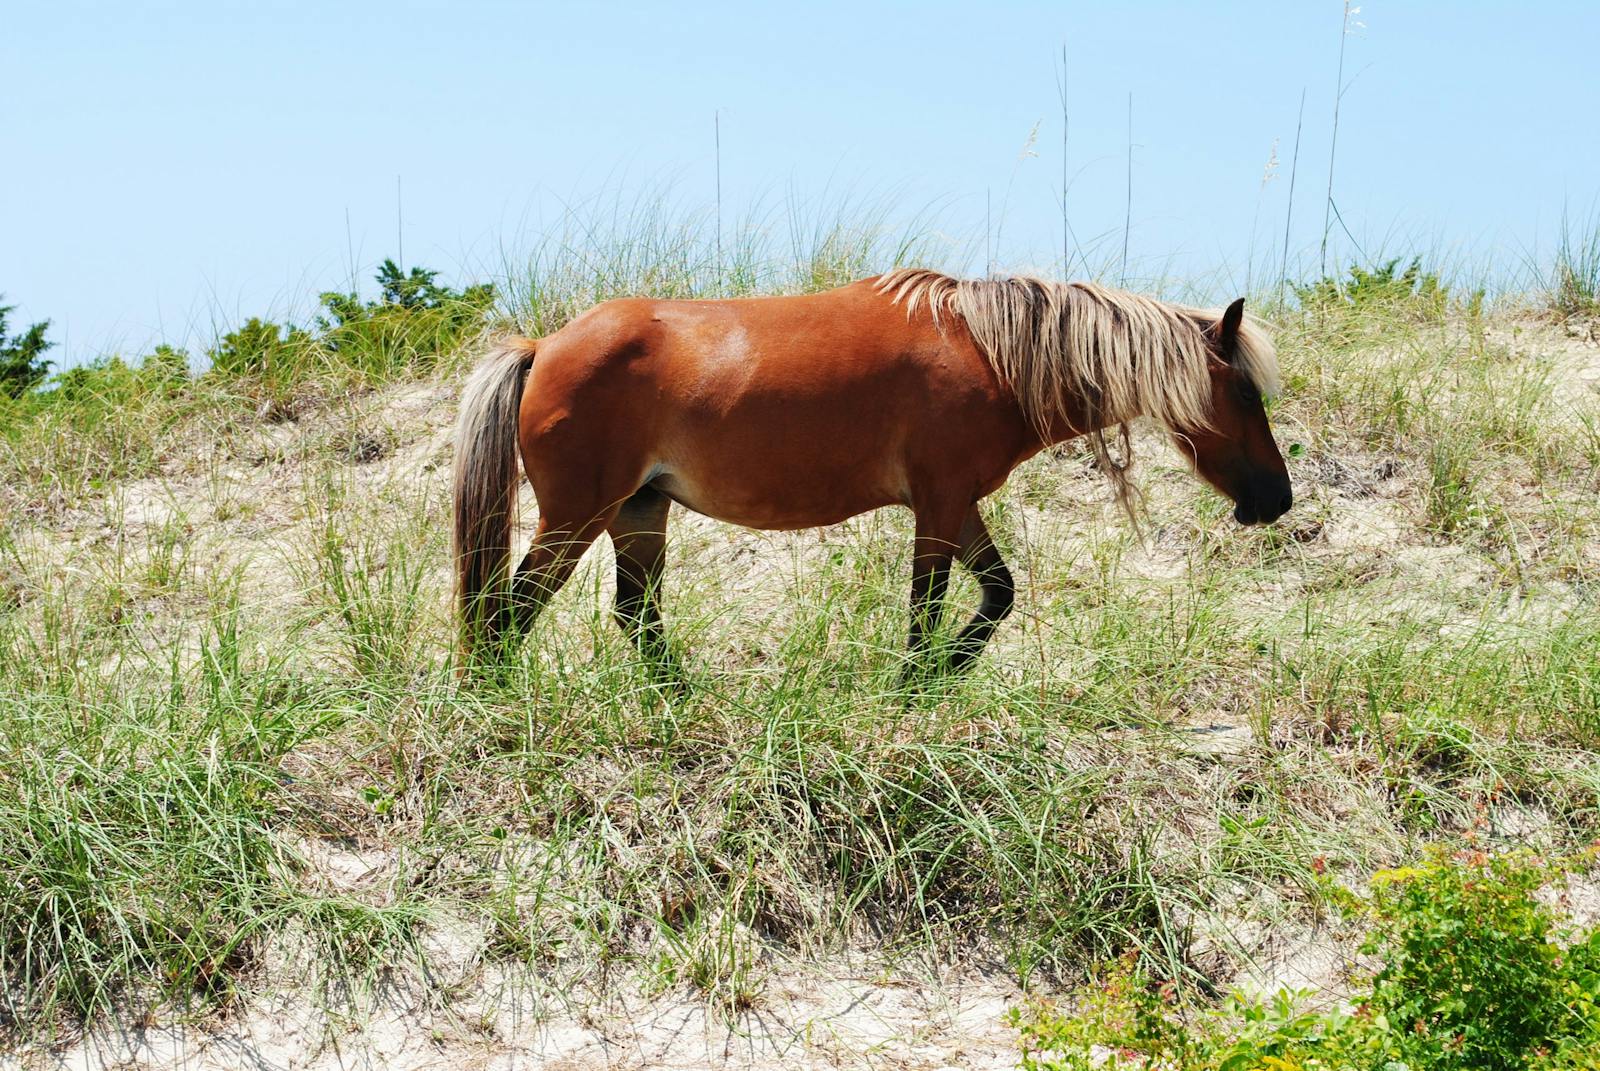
column 979, row 554
column 938, row 538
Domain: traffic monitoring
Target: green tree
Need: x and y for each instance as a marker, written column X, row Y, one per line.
column 22, row 364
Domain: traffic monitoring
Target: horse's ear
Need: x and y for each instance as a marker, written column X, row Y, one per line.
column 1228, row 330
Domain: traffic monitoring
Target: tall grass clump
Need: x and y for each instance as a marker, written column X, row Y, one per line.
column 154, row 818
column 371, row 580
column 135, row 828
column 1574, row 284
column 101, row 422
column 802, row 803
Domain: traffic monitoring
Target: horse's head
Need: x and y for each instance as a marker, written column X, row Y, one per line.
column 1237, row 454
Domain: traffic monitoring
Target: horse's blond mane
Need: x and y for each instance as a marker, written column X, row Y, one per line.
column 1059, row 346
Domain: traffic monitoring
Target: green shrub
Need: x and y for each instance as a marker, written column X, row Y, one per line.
column 166, row 366
column 1473, row 975
column 1476, row 976
column 111, row 379
column 404, row 331
column 260, row 348
column 1127, row 1022
column 106, row 378
column 413, row 322
column 1386, row 287
column 64, row 436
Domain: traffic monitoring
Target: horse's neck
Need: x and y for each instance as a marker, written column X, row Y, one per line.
column 1072, row 424
column 1059, row 430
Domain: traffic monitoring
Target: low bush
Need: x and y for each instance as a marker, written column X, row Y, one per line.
column 262, row 348
column 1476, row 976
column 1385, row 287
column 111, row 379
column 403, row 332
column 413, row 322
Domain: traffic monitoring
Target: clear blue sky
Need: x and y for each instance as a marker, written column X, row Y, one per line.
column 174, row 166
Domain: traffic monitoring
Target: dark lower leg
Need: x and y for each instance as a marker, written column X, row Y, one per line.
column 930, row 576
column 979, row 554
column 928, row 584
column 639, row 537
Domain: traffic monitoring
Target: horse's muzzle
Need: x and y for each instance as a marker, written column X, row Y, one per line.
column 1265, row 508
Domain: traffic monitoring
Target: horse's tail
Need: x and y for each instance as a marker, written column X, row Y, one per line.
column 485, row 488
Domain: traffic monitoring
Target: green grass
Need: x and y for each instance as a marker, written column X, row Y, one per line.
column 226, row 664
column 1574, row 281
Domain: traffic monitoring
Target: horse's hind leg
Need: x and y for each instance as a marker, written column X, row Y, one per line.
column 639, row 534
column 556, row 548
column 979, row 554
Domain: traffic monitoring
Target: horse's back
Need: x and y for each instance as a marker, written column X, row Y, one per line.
column 716, row 354
column 773, row 412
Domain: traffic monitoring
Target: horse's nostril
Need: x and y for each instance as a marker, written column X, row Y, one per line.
column 1285, row 503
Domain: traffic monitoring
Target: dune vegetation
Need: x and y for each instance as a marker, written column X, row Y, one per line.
column 236, row 759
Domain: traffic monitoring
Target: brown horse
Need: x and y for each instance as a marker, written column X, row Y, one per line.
column 911, row 388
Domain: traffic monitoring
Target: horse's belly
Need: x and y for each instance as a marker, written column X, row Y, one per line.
column 808, row 500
